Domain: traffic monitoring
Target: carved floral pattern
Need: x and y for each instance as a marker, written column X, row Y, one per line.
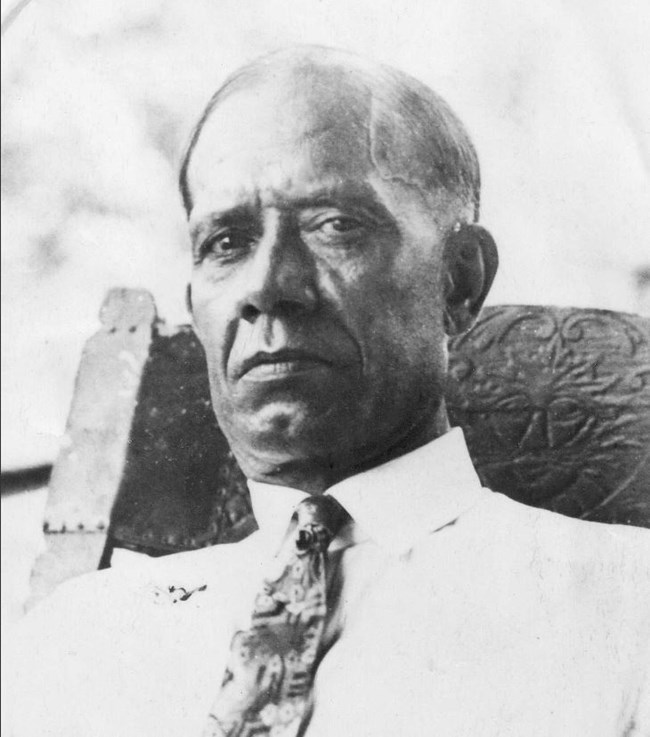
column 555, row 404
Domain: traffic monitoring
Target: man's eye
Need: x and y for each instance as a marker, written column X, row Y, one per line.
column 226, row 243
column 340, row 226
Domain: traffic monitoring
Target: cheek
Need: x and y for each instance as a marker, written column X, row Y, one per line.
column 398, row 308
column 210, row 327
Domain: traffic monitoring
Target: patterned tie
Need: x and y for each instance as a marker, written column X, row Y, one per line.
column 266, row 689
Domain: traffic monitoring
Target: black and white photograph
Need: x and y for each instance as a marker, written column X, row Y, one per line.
column 325, row 368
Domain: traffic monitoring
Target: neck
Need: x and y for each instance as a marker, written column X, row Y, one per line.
column 317, row 474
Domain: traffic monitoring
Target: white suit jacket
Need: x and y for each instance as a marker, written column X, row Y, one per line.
column 462, row 614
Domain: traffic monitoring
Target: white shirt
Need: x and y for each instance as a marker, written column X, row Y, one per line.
column 463, row 613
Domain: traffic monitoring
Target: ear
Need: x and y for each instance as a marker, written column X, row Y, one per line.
column 470, row 262
column 188, row 298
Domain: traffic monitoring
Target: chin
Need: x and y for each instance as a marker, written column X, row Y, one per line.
column 295, row 429
column 284, row 420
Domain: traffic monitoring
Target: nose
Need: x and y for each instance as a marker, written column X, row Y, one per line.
column 281, row 277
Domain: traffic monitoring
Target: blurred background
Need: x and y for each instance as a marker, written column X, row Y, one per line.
column 98, row 97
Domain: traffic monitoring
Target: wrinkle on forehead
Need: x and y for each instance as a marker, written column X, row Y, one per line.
column 405, row 169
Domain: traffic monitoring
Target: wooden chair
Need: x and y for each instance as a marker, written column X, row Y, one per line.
column 554, row 402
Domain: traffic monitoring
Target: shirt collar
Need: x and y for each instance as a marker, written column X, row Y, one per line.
column 395, row 504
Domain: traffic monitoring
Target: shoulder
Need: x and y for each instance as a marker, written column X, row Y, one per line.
column 95, row 624
column 112, row 600
column 582, row 535
column 191, row 568
column 592, row 558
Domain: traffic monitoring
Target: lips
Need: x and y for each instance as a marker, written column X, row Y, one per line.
column 266, row 366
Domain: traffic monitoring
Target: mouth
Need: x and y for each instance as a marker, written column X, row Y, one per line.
column 280, row 365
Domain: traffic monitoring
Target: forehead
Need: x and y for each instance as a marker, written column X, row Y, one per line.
column 281, row 137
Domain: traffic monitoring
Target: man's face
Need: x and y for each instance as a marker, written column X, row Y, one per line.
column 316, row 285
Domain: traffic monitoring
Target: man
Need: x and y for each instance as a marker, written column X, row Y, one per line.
column 332, row 205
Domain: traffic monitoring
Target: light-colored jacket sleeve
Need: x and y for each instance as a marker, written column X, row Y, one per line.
column 43, row 655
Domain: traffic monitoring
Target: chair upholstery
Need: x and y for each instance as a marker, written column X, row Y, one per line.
column 554, row 403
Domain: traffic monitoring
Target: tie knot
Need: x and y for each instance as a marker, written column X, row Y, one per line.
column 319, row 519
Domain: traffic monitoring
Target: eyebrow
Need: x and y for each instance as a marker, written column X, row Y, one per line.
column 343, row 195
column 224, row 218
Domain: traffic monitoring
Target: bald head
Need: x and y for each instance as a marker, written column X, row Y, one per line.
column 354, row 110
